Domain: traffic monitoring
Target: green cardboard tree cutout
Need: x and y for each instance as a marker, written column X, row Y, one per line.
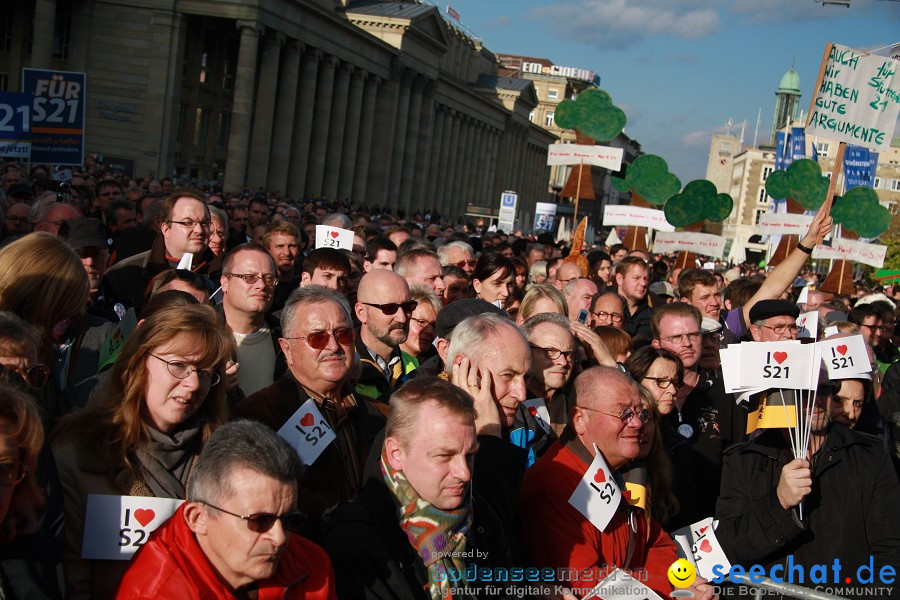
column 859, row 211
column 593, row 114
column 649, row 177
column 698, row 201
column 802, row 182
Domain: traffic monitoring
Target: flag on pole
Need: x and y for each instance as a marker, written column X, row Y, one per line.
column 777, row 409
column 452, row 12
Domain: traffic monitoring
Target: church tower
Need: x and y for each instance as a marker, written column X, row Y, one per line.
column 787, row 99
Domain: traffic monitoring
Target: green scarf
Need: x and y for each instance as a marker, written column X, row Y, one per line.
column 435, row 534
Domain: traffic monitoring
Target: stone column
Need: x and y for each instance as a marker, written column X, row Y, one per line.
column 351, row 135
column 321, row 123
column 364, row 147
column 336, row 131
column 244, row 85
column 455, row 159
column 280, row 153
column 443, row 158
column 380, row 163
column 402, row 124
column 468, row 161
column 263, row 120
column 429, row 141
column 414, row 118
column 478, row 165
column 42, row 42
column 303, row 122
column 490, row 156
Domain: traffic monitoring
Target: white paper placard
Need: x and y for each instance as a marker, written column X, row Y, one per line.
column 308, row 432
column 698, row 544
column 635, row 216
column 620, row 584
column 783, row 224
column 845, row 357
column 116, row 526
column 333, row 237
column 808, row 323
column 606, row 157
column 867, row 254
column 537, row 408
column 597, row 496
column 786, row 365
column 704, row 244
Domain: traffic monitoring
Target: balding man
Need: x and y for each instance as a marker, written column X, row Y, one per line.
column 566, row 272
column 578, row 293
column 608, row 414
column 383, row 308
column 53, row 216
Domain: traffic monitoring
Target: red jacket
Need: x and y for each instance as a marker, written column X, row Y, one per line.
column 172, row 565
column 558, row 536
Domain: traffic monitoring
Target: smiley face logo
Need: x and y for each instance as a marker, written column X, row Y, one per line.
column 682, row 573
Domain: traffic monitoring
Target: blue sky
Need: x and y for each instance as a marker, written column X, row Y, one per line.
column 681, row 68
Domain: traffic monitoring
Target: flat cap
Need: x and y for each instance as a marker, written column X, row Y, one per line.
column 766, row 309
column 452, row 314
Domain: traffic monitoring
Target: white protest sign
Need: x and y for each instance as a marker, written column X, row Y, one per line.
column 636, row 216
column 808, row 323
column 613, row 238
column 783, row 224
column 537, row 408
column 597, row 496
column 308, row 432
column 186, row 261
column 705, row 244
column 867, row 254
column 116, row 526
column 858, row 99
column 573, row 154
column 845, row 357
column 776, row 365
column 831, row 330
column 698, row 544
column 333, row 237
column 620, row 584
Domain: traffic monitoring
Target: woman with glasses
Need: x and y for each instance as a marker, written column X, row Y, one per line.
column 492, row 278
column 422, row 324
column 218, row 231
column 143, row 429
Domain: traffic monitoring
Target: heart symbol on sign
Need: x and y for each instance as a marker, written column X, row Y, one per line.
column 307, row 420
column 779, row 357
column 842, row 349
column 702, row 529
column 599, row 476
column 705, row 546
column 532, row 411
column 144, row 515
column 802, row 322
column 335, row 234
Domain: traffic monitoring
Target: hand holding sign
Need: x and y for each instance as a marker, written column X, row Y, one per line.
column 333, row 237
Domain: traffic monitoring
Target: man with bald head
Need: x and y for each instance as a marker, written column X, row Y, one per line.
column 567, row 271
column 53, row 216
column 608, row 417
column 578, row 293
column 383, row 308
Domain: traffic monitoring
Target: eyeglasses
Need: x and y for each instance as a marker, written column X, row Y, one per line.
column 190, row 223
column 12, row 473
column 391, row 308
column 627, row 415
column 263, row 522
column 614, row 316
column 251, row 278
column 470, row 262
column 554, row 353
column 665, row 382
column 182, row 370
column 15, row 219
column 35, row 376
column 320, row 339
column 880, row 328
column 693, row 336
column 780, row 329
column 423, row 323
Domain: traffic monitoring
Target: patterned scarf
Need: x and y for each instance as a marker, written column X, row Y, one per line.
column 438, row 536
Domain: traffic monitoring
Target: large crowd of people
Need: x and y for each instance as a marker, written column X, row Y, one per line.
column 412, row 417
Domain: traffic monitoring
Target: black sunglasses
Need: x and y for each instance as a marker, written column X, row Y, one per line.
column 263, row 522
column 391, row 308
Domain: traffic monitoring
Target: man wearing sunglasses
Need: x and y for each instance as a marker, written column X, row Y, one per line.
column 233, row 537
column 607, row 414
column 460, row 254
column 383, row 309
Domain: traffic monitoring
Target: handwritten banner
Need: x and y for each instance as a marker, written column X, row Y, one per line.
column 857, row 100
column 573, row 154
column 867, row 254
column 637, row 216
column 705, row 244
column 783, row 224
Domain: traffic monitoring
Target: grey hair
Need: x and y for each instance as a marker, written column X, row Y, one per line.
column 241, row 444
column 337, row 219
column 469, row 336
column 217, row 213
column 422, row 293
column 443, row 252
column 557, row 319
column 307, row 295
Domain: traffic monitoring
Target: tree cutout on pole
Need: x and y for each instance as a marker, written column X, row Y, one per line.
column 699, row 201
column 575, row 255
column 593, row 115
column 650, row 183
column 805, row 188
column 860, row 212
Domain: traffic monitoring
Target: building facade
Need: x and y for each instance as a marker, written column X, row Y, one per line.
column 383, row 103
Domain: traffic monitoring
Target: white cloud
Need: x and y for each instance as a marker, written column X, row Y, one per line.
column 771, row 11
column 618, row 23
column 696, row 138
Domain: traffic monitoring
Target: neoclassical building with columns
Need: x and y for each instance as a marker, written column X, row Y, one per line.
column 384, row 103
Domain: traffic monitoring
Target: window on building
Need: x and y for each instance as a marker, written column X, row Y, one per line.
column 531, row 116
column 223, row 130
column 766, row 172
column 62, row 32
column 204, row 68
column 757, row 214
column 552, row 94
column 822, row 147
column 895, row 185
column 201, row 125
column 6, row 26
column 548, row 121
column 182, row 118
column 4, row 82
column 763, row 197
column 877, row 185
column 828, row 174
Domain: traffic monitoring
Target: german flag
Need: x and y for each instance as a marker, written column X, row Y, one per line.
column 637, row 478
column 776, row 410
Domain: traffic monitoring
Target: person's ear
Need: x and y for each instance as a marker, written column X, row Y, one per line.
column 396, row 456
column 195, row 515
column 655, row 344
